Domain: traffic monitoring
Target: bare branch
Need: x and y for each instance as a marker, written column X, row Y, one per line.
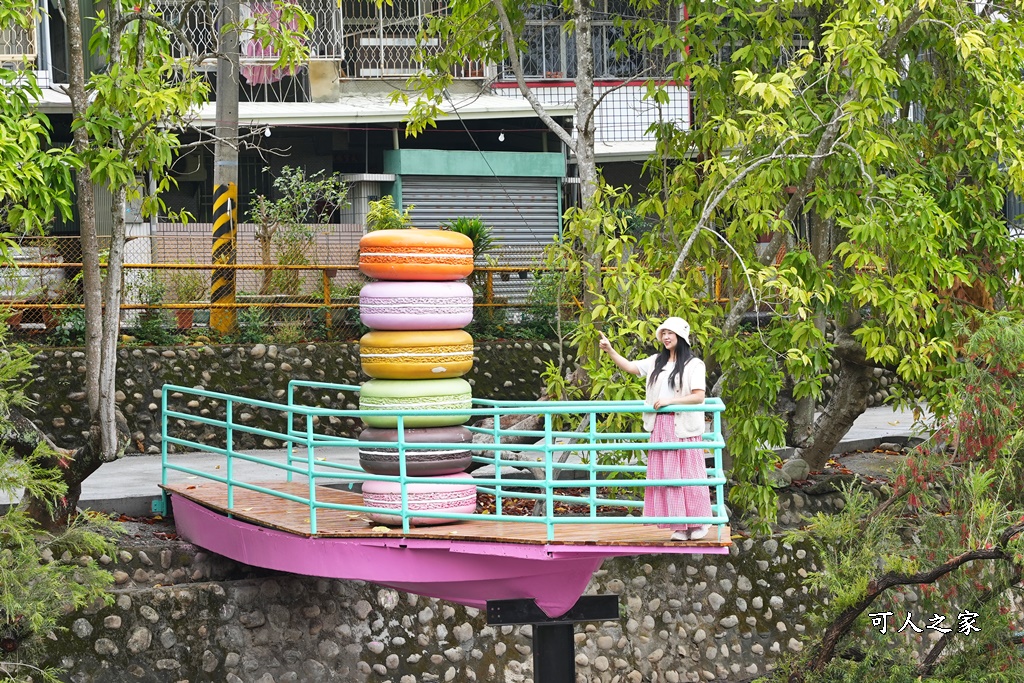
column 712, row 203
column 842, row 624
column 927, row 665
column 517, row 69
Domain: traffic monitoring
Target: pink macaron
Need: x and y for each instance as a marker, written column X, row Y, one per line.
column 392, row 305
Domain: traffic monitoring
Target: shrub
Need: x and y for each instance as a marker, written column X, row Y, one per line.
column 384, row 216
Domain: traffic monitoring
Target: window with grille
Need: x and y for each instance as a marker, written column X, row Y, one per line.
column 551, row 47
column 382, row 38
column 17, row 44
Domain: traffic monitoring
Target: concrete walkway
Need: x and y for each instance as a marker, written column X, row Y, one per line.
column 130, row 484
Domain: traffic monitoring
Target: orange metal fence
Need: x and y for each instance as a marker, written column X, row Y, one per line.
column 170, row 270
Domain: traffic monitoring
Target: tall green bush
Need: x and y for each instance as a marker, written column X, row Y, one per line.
column 475, row 229
column 384, row 216
column 44, row 574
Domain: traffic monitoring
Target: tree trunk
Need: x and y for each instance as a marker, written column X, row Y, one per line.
column 111, row 447
column 265, row 239
column 849, row 401
column 585, row 107
column 802, row 424
column 107, row 428
column 586, row 164
column 85, row 460
column 92, row 296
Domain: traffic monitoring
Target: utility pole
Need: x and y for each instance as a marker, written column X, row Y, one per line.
column 225, row 172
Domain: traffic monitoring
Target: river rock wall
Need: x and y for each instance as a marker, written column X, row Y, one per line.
column 187, row 616
column 179, row 613
column 506, row 370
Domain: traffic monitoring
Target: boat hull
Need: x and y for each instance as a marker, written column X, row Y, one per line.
column 464, row 572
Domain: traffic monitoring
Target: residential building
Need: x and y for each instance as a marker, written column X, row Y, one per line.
column 490, row 156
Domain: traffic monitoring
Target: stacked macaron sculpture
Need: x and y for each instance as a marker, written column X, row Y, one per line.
column 416, row 354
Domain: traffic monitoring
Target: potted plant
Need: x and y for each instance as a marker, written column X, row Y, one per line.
column 190, row 286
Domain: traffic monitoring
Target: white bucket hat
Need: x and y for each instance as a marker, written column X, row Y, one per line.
column 677, row 325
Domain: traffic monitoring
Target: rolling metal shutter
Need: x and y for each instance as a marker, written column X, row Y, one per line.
column 523, row 213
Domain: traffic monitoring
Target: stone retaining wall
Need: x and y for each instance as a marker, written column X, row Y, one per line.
column 507, row 370
column 696, row 618
column 183, row 614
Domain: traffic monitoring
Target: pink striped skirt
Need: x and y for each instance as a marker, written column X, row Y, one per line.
column 687, row 463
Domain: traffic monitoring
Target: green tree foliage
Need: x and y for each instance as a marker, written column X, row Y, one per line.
column 384, row 216
column 34, row 177
column 847, row 163
column 290, row 222
column 43, row 575
column 949, row 528
column 635, row 299
column 872, row 144
column 126, row 118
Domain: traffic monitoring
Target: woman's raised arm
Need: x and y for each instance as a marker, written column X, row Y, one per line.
column 623, row 364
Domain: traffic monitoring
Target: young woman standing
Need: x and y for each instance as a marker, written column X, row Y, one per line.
column 674, row 377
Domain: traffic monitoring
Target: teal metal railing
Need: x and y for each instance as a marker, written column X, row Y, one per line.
column 563, row 458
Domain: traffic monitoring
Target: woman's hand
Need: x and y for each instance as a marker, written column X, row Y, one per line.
column 694, row 398
column 620, row 362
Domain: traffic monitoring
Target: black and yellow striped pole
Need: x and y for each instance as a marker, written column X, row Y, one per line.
column 225, row 227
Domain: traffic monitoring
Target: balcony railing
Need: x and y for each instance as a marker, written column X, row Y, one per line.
column 361, row 40
column 198, row 22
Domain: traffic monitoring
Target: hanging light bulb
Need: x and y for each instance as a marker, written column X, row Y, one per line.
column 501, row 136
column 266, row 132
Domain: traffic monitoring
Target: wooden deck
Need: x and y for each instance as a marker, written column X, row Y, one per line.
column 284, row 515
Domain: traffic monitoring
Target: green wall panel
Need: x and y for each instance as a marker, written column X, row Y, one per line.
column 462, row 163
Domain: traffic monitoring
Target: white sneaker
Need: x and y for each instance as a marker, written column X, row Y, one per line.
column 680, row 536
column 700, row 532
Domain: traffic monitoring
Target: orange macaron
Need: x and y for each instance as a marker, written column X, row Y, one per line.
column 434, row 255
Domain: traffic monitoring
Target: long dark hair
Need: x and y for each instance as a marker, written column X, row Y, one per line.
column 683, row 356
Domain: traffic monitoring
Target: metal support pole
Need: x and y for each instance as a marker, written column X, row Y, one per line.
column 327, row 304
column 554, row 660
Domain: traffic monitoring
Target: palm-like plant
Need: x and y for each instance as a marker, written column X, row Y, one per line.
column 475, row 229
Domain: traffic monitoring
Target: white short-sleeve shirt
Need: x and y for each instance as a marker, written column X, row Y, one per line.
column 688, row 423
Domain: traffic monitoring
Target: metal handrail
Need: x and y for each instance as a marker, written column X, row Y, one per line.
column 550, row 443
